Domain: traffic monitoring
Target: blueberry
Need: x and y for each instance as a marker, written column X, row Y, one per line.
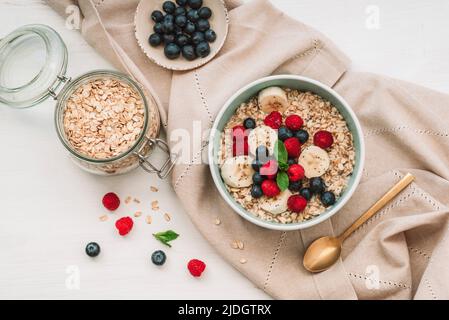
column 258, row 178
column 317, row 185
column 93, row 249
column 178, row 30
column 284, row 133
column 192, row 15
column 181, row 3
column 291, row 161
column 210, row 35
column 302, row 136
column 262, row 154
column 180, row 11
column 262, row 151
column 295, row 186
column 181, row 21
column 168, row 27
column 306, row 193
column 205, row 13
column 327, row 198
column 202, row 25
column 159, row 28
column 256, row 191
column 157, row 16
column 249, row 123
column 172, row 51
column 182, row 40
column 195, row 4
column 202, row 49
column 188, row 52
column 168, row 38
column 197, row 37
column 257, row 164
column 190, row 28
column 158, row 257
column 155, row 39
column 169, row 18
column 169, row 6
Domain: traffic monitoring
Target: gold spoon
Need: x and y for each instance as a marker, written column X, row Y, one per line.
column 325, row 251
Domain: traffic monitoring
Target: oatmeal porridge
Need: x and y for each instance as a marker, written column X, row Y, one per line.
column 286, row 155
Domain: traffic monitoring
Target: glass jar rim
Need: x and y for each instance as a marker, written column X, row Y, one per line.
column 39, row 87
column 71, row 86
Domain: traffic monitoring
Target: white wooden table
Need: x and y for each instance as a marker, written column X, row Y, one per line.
column 49, row 208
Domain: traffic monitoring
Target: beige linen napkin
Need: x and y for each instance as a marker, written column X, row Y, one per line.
column 402, row 253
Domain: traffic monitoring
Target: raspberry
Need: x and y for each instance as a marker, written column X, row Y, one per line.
column 239, row 133
column 295, row 172
column 196, row 267
column 294, row 122
column 293, row 147
column 239, row 148
column 270, row 188
column 323, row 139
column 269, row 169
column 111, row 201
column 273, row 120
column 296, row 203
column 124, row 225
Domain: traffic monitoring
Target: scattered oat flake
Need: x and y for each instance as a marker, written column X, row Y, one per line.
column 234, row 244
column 128, row 199
column 240, row 245
column 149, row 219
column 243, row 261
column 217, row 221
column 167, row 217
column 104, row 218
column 154, row 189
column 136, row 200
column 138, row 214
column 155, row 205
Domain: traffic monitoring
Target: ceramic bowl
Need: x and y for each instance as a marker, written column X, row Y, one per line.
column 219, row 22
column 302, row 84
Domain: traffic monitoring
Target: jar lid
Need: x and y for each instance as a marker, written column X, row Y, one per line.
column 33, row 63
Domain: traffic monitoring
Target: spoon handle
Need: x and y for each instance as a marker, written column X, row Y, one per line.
column 393, row 192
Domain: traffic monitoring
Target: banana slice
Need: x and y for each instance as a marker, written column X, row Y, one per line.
column 273, row 99
column 237, row 172
column 315, row 161
column 262, row 135
column 276, row 205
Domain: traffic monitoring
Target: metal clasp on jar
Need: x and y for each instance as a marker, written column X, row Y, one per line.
column 62, row 80
column 166, row 167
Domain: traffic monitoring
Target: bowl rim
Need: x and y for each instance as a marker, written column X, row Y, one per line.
column 247, row 215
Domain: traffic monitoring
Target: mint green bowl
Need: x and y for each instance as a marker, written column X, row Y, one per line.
column 302, row 84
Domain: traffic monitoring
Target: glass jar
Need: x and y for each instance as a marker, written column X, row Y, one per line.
column 33, row 65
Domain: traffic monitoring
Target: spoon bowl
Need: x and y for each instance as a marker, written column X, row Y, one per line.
column 322, row 254
column 325, row 251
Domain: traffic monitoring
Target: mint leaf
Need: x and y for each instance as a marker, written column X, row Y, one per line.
column 282, row 180
column 166, row 236
column 280, row 152
column 283, row 166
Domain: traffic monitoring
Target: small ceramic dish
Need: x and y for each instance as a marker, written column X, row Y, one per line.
column 219, row 22
column 301, row 84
